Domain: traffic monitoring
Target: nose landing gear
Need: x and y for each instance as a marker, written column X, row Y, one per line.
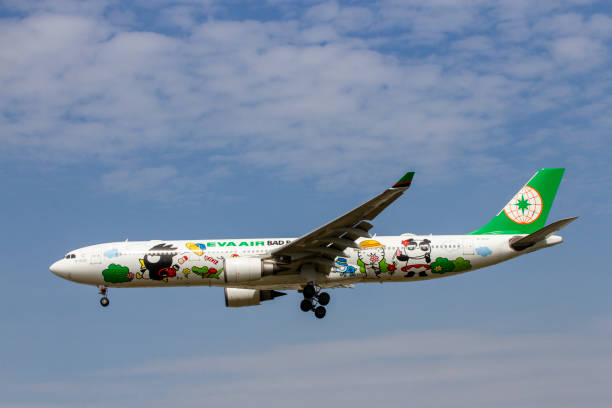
column 314, row 300
column 103, row 290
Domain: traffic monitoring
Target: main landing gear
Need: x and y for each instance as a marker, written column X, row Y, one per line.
column 103, row 290
column 315, row 301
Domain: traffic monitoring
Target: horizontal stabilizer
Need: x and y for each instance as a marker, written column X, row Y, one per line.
column 540, row 235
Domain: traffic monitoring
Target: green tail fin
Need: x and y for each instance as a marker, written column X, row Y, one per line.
column 528, row 209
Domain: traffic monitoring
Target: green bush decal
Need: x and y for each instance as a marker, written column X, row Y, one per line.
column 442, row 265
column 117, row 274
column 462, row 264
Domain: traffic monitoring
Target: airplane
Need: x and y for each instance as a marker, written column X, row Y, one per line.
column 338, row 254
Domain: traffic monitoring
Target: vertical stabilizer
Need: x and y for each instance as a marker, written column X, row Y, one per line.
column 527, row 211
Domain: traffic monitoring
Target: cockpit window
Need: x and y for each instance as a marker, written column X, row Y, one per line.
column 73, row 256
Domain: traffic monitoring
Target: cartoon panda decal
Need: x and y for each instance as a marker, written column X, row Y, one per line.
column 416, row 257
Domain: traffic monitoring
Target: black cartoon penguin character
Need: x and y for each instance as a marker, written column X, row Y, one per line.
column 158, row 261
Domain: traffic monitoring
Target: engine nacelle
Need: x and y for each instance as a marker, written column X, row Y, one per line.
column 246, row 269
column 235, row 297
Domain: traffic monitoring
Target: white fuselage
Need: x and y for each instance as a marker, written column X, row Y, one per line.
column 201, row 262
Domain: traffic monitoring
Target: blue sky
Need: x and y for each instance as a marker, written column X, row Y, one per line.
column 206, row 119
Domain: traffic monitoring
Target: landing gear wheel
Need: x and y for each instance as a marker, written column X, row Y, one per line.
column 324, row 298
column 309, row 292
column 306, row 305
column 103, row 290
column 319, row 312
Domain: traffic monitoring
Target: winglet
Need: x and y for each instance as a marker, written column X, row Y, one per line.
column 405, row 181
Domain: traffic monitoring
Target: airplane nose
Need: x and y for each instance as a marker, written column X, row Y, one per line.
column 57, row 269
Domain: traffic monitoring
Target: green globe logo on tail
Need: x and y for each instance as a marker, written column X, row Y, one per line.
column 527, row 211
column 525, row 207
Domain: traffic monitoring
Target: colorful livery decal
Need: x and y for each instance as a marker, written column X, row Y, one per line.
column 197, row 249
column 415, row 257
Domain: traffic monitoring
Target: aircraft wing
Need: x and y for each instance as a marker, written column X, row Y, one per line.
column 324, row 244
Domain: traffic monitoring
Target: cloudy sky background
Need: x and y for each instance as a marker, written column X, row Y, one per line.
column 202, row 119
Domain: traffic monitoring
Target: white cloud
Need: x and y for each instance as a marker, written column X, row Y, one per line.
column 429, row 21
column 141, row 181
column 324, row 11
column 472, row 369
column 475, row 44
column 581, row 51
column 305, row 95
column 344, row 18
column 600, row 26
column 561, row 25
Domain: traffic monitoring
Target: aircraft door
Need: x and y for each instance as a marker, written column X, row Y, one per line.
column 468, row 247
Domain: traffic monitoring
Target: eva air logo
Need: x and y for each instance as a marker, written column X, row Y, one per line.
column 525, row 207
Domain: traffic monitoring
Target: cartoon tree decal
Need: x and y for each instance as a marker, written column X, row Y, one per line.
column 117, row 274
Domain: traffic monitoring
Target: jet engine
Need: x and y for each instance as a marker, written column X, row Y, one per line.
column 245, row 269
column 235, row 297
